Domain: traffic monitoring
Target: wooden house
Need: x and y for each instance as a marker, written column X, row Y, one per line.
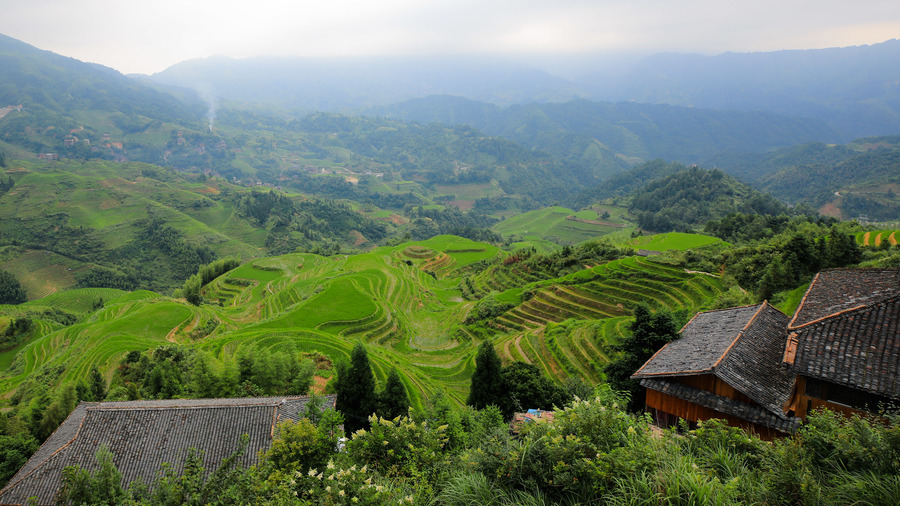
column 757, row 368
column 844, row 342
column 727, row 364
column 142, row 435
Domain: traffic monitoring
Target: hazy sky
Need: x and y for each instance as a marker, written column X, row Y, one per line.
column 148, row 36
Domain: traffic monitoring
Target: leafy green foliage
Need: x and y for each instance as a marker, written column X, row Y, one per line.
column 101, row 487
column 176, row 371
column 207, row 273
column 17, row 330
column 392, row 400
column 649, row 332
column 304, row 445
column 399, row 448
column 11, row 292
column 293, row 225
column 690, row 198
column 528, row 389
column 14, row 452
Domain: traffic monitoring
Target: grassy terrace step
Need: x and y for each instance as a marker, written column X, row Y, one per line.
column 592, row 307
column 550, row 298
column 588, row 299
column 558, row 312
column 518, row 318
column 526, row 314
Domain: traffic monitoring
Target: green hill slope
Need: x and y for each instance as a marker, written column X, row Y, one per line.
column 136, row 225
column 404, row 301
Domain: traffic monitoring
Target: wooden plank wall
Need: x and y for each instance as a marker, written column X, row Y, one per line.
column 693, row 412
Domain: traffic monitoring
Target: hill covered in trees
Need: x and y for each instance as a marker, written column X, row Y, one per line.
column 694, row 196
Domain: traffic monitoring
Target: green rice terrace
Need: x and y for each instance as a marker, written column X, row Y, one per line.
column 411, row 304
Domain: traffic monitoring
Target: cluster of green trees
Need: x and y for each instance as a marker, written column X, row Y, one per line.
column 8, row 184
column 192, row 286
column 37, row 410
column 178, row 371
column 593, row 452
column 790, row 259
column 742, row 228
column 514, row 388
column 649, row 332
column 15, row 332
column 357, row 398
column 11, row 291
column 426, row 223
column 688, row 199
column 307, row 225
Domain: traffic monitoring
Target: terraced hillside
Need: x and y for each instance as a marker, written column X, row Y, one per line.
column 881, row 238
column 604, row 296
column 405, row 302
column 546, row 228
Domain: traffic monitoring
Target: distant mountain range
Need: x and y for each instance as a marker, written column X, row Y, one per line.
column 632, row 132
column 753, row 116
column 855, row 90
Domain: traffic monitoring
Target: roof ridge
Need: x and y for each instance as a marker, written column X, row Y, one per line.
column 861, row 307
column 803, row 300
column 740, row 334
column 12, row 483
column 175, row 406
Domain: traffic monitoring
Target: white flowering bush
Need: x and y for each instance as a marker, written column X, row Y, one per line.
column 337, row 485
column 403, row 449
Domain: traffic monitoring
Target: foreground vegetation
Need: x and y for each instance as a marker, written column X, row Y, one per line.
column 592, row 453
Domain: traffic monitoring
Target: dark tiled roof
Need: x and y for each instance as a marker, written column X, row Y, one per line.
column 703, row 343
column 836, row 290
column 753, row 365
column 742, row 410
column 144, row 434
column 741, row 346
column 859, row 348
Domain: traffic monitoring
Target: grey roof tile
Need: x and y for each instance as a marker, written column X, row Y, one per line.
column 836, row 290
column 703, row 343
column 859, row 348
column 142, row 435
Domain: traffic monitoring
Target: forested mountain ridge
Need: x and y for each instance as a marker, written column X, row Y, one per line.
column 858, row 178
column 64, row 98
column 612, row 133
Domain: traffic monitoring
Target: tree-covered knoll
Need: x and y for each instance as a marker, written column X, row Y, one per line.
column 690, row 198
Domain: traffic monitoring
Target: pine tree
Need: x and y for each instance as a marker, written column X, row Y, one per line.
column 355, row 389
column 487, row 381
column 393, row 401
column 97, row 385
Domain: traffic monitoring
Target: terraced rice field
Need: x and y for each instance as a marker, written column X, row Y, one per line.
column 878, row 238
column 403, row 301
column 545, row 329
